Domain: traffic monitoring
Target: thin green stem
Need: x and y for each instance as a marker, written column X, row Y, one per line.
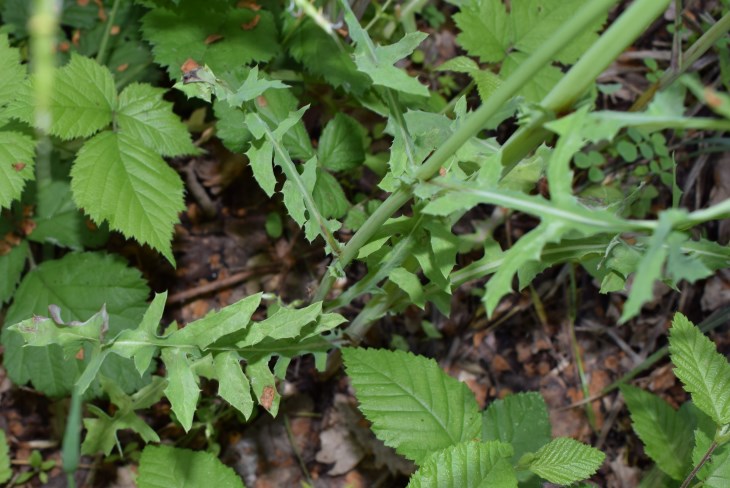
column 621, row 34
column 585, row 17
column 377, row 15
column 71, row 449
column 101, row 55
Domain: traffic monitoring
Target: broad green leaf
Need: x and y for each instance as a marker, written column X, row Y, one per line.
column 261, row 155
column 414, row 406
column 231, row 127
column 182, row 385
column 17, row 160
column 139, row 343
column 13, row 71
column 82, row 100
column 165, row 466
column 5, row 471
column 233, row 386
column 59, row 222
column 467, row 465
column 215, row 325
column 214, row 34
column 143, row 115
column 663, row 431
column 564, row 461
column 341, row 145
column 485, row 30
column 306, row 45
column 115, row 179
column 328, row 196
column 80, row 283
column 520, row 420
column 704, row 372
column 11, row 267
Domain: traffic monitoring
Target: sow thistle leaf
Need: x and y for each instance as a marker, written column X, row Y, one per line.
column 17, row 156
column 214, row 34
column 663, row 430
column 328, row 196
column 233, row 386
column 182, row 385
column 564, row 461
column 414, row 406
column 704, row 372
column 115, row 179
column 164, row 466
column 341, row 144
column 81, row 283
column 467, row 464
column 82, row 99
column 146, row 117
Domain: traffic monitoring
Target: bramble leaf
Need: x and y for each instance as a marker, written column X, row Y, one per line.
column 467, row 464
column 144, row 116
column 82, row 100
column 663, row 431
column 165, row 466
column 80, row 283
column 11, row 267
column 564, row 461
column 704, row 372
column 17, row 160
column 414, row 406
column 115, row 179
column 214, row 34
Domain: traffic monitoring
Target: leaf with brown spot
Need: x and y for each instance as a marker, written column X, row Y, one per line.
column 267, row 397
column 64, row 46
column 261, row 101
column 122, row 67
column 27, row 226
column 249, row 5
column 250, row 25
column 19, row 166
column 189, row 65
column 212, row 38
column 115, row 30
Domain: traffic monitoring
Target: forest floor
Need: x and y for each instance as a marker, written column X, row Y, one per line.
column 558, row 337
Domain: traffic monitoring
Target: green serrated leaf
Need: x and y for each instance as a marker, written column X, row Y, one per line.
column 704, row 372
column 82, row 100
column 165, row 466
column 468, row 465
column 182, row 385
column 663, row 431
column 519, row 420
column 231, row 127
column 459, row 64
column 233, row 386
column 5, row 471
column 341, row 146
column 115, row 179
column 214, row 34
column 414, row 406
column 564, row 461
column 147, row 118
column 11, row 267
column 409, row 283
column 13, row 71
column 17, row 161
column 139, row 343
column 80, row 283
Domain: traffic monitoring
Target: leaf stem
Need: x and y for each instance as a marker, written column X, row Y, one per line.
column 702, row 462
column 101, row 55
column 473, row 124
column 72, row 437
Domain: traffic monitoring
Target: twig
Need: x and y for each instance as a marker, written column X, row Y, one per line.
column 234, row 279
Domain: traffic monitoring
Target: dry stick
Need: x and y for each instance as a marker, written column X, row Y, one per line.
column 221, row 284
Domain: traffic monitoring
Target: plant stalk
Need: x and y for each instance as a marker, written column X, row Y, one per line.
column 101, row 55
column 584, row 17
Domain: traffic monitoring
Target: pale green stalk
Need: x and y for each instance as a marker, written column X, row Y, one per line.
column 107, row 32
column 473, row 124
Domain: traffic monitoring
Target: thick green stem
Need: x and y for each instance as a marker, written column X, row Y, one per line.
column 620, row 35
column 72, row 437
column 471, row 127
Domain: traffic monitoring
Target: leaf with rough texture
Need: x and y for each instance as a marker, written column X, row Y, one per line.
column 79, row 283
column 82, row 100
column 11, row 268
column 116, row 179
column 165, row 467
column 17, row 161
column 341, row 145
column 564, row 461
column 13, row 72
column 704, row 372
column 182, row 386
column 414, row 406
column 663, row 431
column 146, row 117
column 467, row 465
column 214, row 34
column 520, row 420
